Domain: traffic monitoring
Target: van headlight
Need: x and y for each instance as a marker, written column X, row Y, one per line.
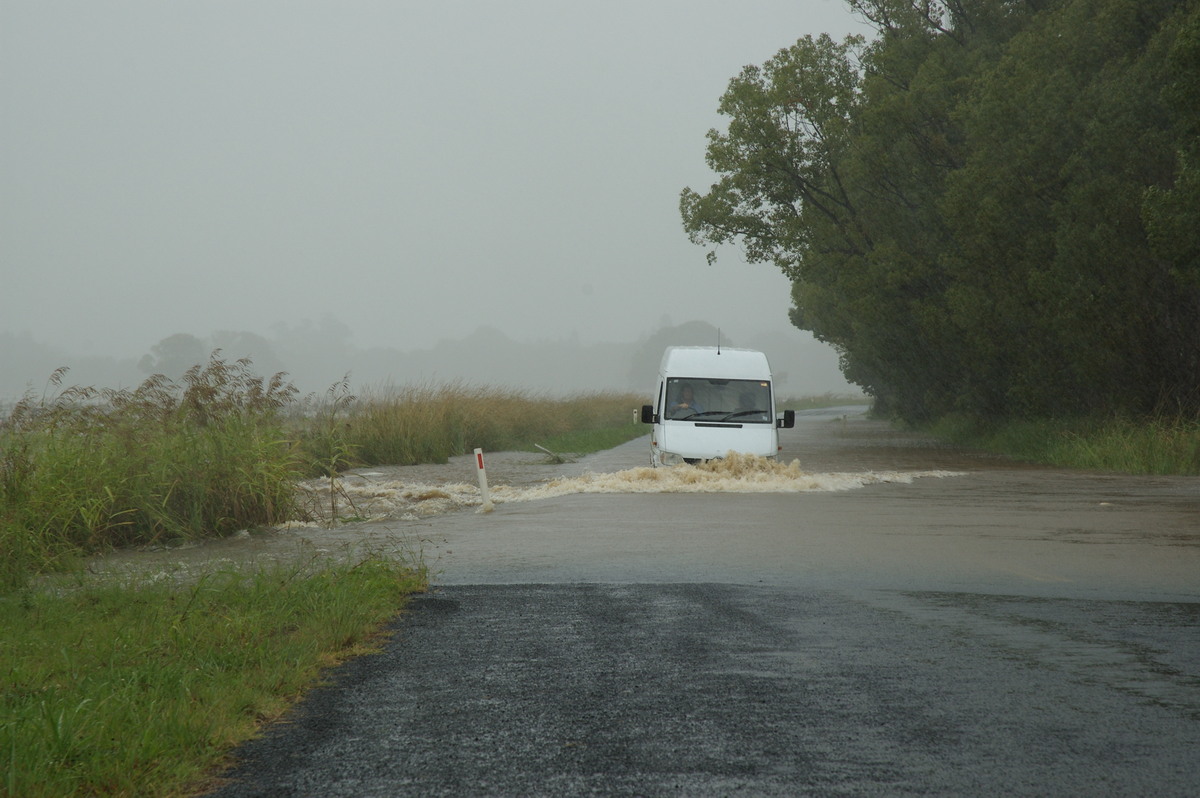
column 670, row 459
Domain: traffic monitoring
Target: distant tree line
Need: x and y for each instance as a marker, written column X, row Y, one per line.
column 992, row 207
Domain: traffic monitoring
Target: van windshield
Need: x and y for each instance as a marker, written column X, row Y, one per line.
column 696, row 398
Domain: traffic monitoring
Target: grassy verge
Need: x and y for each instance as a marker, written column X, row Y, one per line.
column 1152, row 446
column 142, row 688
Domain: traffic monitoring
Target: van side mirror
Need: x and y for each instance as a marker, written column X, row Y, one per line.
column 787, row 420
column 648, row 414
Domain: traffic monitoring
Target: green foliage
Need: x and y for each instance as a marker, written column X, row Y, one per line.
column 140, row 688
column 786, row 134
column 991, row 208
column 85, row 471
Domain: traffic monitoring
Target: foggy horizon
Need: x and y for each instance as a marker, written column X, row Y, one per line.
column 315, row 356
column 414, row 172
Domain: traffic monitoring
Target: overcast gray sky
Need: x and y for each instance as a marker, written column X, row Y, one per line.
column 413, row 169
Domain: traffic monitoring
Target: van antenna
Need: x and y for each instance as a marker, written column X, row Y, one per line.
column 718, row 340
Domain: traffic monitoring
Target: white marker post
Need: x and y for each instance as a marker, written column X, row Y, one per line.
column 487, row 506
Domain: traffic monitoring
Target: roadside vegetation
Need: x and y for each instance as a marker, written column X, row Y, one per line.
column 1163, row 445
column 84, row 471
column 140, row 684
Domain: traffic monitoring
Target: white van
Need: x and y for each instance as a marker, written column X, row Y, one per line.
column 711, row 401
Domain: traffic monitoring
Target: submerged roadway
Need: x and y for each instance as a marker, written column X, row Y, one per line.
column 958, row 625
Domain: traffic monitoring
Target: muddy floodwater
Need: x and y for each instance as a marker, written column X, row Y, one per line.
column 850, row 502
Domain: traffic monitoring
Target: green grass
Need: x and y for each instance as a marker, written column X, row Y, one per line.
column 142, row 688
column 1165, row 445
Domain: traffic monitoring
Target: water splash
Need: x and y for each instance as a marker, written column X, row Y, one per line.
column 372, row 496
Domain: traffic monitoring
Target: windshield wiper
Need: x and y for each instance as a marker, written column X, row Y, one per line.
column 744, row 413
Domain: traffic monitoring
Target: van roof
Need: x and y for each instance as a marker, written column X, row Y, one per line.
column 708, row 361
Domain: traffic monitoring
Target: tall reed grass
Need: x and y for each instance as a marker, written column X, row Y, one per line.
column 406, row 425
column 87, row 470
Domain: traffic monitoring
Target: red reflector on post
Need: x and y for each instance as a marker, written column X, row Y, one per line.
column 486, row 501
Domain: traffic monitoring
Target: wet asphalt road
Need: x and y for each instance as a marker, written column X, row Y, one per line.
column 1012, row 631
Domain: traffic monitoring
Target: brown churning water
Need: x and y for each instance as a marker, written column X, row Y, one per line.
column 367, row 497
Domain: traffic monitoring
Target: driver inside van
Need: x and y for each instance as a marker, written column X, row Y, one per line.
column 686, row 402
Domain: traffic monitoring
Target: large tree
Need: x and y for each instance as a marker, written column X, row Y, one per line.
column 990, row 207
